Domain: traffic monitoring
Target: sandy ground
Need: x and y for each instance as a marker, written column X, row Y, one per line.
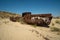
column 16, row 31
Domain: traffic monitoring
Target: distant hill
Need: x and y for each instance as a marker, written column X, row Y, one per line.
column 4, row 14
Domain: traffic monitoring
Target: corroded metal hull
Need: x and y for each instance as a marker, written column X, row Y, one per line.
column 38, row 19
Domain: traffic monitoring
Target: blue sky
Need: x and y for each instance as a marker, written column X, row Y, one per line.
column 34, row 6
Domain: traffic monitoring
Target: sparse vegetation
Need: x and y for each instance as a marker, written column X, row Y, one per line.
column 57, row 21
column 58, row 33
column 34, row 25
column 6, row 22
column 55, row 29
column 46, row 38
column 4, row 14
column 52, row 24
column 21, row 21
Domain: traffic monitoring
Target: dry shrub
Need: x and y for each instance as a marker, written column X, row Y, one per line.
column 53, row 24
column 55, row 29
column 58, row 33
column 34, row 25
column 21, row 21
column 6, row 22
column 57, row 21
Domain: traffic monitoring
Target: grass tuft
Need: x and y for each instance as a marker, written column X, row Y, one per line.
column 34, row 25
column 57, row 21
column 55, row 29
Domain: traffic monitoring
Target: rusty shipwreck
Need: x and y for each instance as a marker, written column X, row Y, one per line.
column 38, row 19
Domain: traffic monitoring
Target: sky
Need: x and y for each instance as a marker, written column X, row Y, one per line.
column 33, row 6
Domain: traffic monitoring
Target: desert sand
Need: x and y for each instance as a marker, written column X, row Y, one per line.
column 17, row 31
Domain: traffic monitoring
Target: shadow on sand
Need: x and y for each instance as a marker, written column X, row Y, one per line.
column 43, row 26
